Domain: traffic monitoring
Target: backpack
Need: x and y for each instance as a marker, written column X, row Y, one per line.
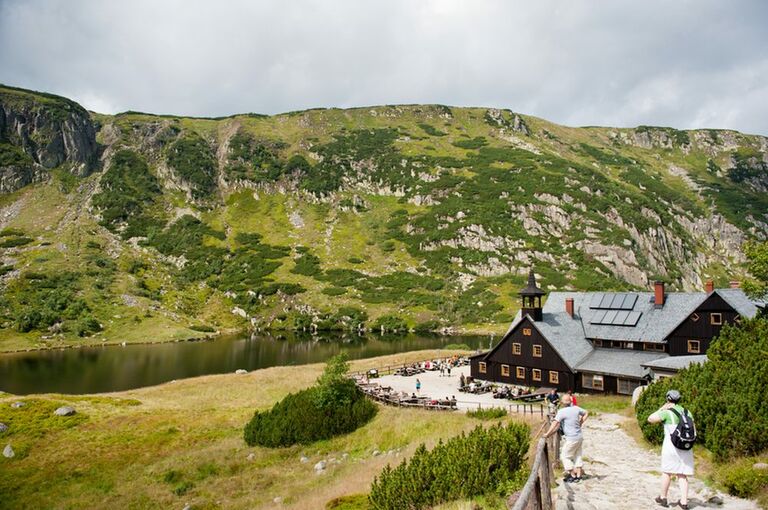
column 684, row 434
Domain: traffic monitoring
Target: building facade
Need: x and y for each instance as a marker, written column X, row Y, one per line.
column 607, row 341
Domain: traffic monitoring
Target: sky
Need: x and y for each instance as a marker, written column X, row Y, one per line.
column 680, row 63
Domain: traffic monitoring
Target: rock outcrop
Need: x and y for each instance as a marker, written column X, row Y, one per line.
column 41, row 132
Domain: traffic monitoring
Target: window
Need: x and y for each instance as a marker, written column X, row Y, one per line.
column 598, row 343
column 554, row 377
column 517, row 349
column 526, row 331
column 653, row 347
column 505, row 370
column 537, row 351
column 592, row 382
column 695, row 317
column 626, row 386
column 628, row 345
column 481, row 367
column 536, row 374
column 694, row 346
column 716, row 319
column 520, row 372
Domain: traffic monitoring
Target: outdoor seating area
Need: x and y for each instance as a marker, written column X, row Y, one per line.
column 430, row 385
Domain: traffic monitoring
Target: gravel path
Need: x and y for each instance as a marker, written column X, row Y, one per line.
column 620, row 474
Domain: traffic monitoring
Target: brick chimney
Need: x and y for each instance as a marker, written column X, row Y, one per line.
column 658, row 294
column 735, row 284
column 709, row 287
column 569, row 306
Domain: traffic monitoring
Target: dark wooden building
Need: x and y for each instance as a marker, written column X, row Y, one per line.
column 606, row 341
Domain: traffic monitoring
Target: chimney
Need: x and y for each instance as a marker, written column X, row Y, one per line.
column 658, row 289
column 735, row 284
column 569, row 306
column 709, row 287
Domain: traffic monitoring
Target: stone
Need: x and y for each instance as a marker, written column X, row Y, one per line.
column 3, row 428
column 8, row 452
column 715, row 500
column 278, row 500
column 251, row 456
column 304, row 459
column 760, row 465
column 320, row 466
column 240, row 371
column 187, row 507
column 17, row 405
column 65, row 411
column 376, row 453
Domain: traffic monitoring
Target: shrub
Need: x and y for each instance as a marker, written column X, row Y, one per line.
column 457, row 347
column 12, row 242
column 203, row 328
column 488, row 414
column 724, row 395
column 87, row 326
column 743, row 480
column 334, row 406
column 334, row 291
column 390, row 324
column 195, row 163
column 427, row 326
column 463, row 467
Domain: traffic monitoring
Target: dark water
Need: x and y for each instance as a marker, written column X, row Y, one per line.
column 115, row 368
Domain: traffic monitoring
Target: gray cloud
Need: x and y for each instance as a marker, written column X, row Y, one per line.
column 688, row 63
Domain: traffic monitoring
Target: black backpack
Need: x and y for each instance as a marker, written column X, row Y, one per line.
column 684, row 434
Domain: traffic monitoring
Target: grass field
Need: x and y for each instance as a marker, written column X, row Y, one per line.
column 179, row 443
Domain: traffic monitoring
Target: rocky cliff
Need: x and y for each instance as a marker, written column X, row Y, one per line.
column 420, row 215
column 40, row 132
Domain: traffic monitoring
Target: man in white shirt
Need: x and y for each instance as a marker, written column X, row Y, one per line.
column 572, row 418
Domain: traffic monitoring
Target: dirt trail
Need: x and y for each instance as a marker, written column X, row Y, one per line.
column 621, row 474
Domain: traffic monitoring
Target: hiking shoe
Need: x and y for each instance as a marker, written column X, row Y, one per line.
column 661, row 501
column 569, row 479
column 577, row 479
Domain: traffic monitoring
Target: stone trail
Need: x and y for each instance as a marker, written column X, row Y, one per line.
column 621, row 474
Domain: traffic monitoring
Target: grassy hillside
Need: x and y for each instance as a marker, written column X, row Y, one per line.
column 419, row 216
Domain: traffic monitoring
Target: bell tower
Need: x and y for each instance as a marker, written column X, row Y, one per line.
column 531, row 298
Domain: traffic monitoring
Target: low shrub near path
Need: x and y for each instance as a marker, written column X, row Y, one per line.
column 485, row 460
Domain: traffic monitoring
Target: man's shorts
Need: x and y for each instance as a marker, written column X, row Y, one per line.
column 570, row 453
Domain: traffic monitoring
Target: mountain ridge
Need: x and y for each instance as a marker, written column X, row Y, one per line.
column 393, row 217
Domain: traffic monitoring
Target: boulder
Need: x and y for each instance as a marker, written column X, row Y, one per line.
column 756, row 465
column 320, row 466
column 251, row 456
column 64, row 411
column 278, row 500
column 8, row 452
column 304, row 459
column 17, row 405
column 3, row 428
column 241, row 371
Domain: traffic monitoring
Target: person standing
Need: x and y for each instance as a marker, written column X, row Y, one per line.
column 572, row 417
column 573, row 398
column 418, row 386
column 553, row 399
column 674, row 461
column 448, row 369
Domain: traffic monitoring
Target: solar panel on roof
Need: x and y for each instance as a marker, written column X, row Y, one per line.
column 598, row 317
column 621, row 316
column 609, row 316
column 618, row 299
column 595, row 302
column 629, row 302
column 606, row 301
column 632, row 319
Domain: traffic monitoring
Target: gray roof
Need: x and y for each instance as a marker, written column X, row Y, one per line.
column 739, row 302
column 620, row 362
column 675, row 363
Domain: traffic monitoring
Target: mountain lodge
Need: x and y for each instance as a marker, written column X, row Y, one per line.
column 608, row 341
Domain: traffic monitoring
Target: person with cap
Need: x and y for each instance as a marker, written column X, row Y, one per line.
column 674, row 462
column 572, row 417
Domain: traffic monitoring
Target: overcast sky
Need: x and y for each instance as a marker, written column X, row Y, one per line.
column 681, row 63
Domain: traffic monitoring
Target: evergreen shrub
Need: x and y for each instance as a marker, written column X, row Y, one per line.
column 724, row 395
column 462, row 467
column 334, row 406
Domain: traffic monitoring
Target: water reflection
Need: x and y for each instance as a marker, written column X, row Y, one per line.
column 113, row 368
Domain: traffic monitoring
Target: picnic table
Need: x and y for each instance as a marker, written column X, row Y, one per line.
column 535, row 396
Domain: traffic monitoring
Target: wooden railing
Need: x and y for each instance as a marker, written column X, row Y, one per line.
column 537, row 491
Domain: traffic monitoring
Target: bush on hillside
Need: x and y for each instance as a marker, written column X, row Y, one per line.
column 334, row 406
column 725, row 395
column 462, row 467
